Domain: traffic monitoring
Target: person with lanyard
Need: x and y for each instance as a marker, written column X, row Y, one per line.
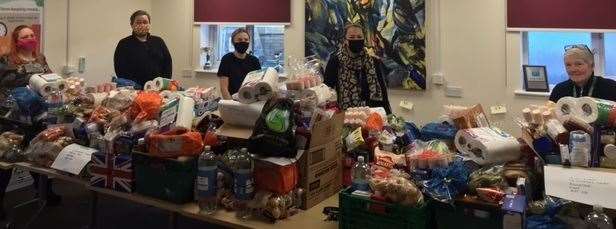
column 580, row 64
column 141, row 57
column 356, row 76
column 16, row 68
column 234, row 66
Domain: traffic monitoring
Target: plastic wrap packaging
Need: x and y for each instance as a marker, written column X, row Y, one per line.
column 10, row 143
column 354, row 139
column 446, row 183
column 304, row 73
column 160, row 84
column 28, row 102
column 103, row 116
column 599, row 111
column 186, row 113
column 356, row 115
column 565, row 108
column 46, row 84
column 396, row 122
column 46, row 146
column 258, row 85
column 487, row 145
column 120, row 100
column 429, row 155
column 397, row 189
column 236, row 113
column 174, row 143
column 374, row 123
column 146, row 106
column 318, row 94
column 490, row 177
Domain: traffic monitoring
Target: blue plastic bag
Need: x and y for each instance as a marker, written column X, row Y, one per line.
column 30, row 104
column 122, row 82
column 446, row 183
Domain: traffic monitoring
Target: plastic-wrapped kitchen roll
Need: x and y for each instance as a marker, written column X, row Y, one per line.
column 97, row 98
column 149, row 86
column 161, row 83
column 186, row 113
column 239, row 114
column 565, row 108
column 487, row 145
column 45, row 84
column 598, row 111
column 258, row 86
column 321, row 93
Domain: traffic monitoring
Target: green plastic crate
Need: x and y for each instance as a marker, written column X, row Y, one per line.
column 471, row 214
column 167, row 179
column 359, row 213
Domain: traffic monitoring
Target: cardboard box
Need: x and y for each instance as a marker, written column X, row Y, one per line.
column 321, row 133
column 320, row 171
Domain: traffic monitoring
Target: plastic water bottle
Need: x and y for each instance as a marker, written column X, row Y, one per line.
column 361, row 170
column 598, row 220
column 579, row 142
column 207, row 181
column 243, row 184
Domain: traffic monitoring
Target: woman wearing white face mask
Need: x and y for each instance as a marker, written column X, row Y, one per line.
column 356, row 76
column 580, row 64
column 141, row 56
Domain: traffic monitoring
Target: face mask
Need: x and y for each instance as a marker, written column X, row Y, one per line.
column 356, row 46
column 241, row 47
column 141, row 29
column 27, row 44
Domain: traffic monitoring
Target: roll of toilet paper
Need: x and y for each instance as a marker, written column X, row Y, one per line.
column 565, row 108
column 487, row 145
column 240, row 114
column 258, row 85
column 320, row 94
column 268, row 84
column 246, row 95
column 186, row 112
column 45, row 84
column 592, row 110
column 149, row 86
column 161, row 83
column 97, row 98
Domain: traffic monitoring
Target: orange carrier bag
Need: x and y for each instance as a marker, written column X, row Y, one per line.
column 174, row 143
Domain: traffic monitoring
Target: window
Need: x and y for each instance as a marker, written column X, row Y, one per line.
column 267, row 43
column 547, row 48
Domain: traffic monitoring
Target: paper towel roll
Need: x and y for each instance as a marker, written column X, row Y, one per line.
column 268, row 85
column 246, row 95
column 320, row 94
column 186, row 112
column 536, row 116
column 487, row 145
column 236, row 113
column 592, row 110
column 161, row 83
column 47, row 83
column 565, row 108
column 149, row 86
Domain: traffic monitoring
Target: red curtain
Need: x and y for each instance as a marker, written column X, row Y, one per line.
column 243, row 11
column 561, row 14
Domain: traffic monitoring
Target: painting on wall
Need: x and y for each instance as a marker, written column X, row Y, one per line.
column 394, row 30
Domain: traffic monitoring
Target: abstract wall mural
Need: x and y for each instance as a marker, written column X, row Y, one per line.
column 393, row 29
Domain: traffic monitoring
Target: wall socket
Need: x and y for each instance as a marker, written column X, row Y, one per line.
column 453, row 91
column 438, row 78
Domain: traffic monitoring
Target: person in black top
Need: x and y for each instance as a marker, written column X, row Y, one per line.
column 234, row 66
column 580, row 62
column 141, row 57
column 356, row 76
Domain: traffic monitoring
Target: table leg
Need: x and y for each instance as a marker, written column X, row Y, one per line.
column 42, row 193
column 173, row 220
column 93, row 210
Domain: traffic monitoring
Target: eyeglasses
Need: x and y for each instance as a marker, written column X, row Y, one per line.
column 579, row 46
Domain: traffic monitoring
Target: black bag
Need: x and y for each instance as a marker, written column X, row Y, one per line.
column 273, row 135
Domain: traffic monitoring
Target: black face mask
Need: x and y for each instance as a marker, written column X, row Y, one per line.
column 356, row 46
column 241, row 47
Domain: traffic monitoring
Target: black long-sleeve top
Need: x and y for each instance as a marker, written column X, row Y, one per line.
column 331, row 80
column 604, row 89
column 141, row 61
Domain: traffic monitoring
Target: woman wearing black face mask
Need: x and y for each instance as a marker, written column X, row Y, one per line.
column 234, row 66
column 356, row 76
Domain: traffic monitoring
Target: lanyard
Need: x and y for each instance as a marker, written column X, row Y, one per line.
column 590, row 90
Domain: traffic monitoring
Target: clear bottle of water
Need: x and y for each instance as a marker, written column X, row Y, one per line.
column 598, row 220
column 207, row 181
column 580, row 146
column 361, row 171
column 243, row 184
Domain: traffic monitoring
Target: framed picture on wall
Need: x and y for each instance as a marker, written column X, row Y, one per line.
column 535, row 78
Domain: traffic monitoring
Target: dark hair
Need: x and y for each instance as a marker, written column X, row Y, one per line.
column 15, row 36
column 139, row 13
column 238, row 31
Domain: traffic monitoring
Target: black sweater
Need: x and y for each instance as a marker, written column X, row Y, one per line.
column 142, row 61
column 604, row 89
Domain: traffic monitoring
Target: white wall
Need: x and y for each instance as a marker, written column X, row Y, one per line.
column 467, row 42
column 94, row 26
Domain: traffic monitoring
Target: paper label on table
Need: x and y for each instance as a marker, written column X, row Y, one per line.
column 586, row 186
column 73, row 158
column 406, row 105
column 498, row 109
